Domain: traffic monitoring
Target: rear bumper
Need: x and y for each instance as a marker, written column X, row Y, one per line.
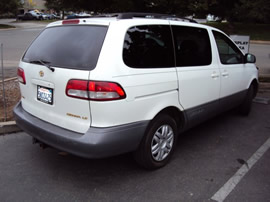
column 95, row 143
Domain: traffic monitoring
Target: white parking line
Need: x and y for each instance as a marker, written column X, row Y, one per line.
column 224, row 191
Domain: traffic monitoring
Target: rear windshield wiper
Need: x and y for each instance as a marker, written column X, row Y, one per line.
column 42, row 62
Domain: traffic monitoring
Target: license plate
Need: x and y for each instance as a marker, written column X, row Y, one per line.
column 45, row 94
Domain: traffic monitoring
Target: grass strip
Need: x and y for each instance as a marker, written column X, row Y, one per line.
column 3, row 26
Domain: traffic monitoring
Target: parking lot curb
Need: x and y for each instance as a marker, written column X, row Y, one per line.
column 9, row 127
column 262, row 100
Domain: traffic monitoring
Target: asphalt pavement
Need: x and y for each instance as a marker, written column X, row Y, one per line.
column 207, row 157
column 262, row 52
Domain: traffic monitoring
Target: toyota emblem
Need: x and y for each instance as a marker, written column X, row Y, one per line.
column 41, row 73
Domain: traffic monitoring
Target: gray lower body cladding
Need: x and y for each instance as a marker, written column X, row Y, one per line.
column 95, row 143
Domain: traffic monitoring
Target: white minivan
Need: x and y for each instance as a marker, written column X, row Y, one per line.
column 129, row 82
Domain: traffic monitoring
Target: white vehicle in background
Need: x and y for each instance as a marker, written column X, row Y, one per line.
column 53, row 16
column 129, row 82
column 213, row 18
column 36, row 15
column 83, row 14
column 44, row 16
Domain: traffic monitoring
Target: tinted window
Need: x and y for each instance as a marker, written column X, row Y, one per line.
column 75, row 47
column 228, row 51
column 148, row 47
column 192, row 46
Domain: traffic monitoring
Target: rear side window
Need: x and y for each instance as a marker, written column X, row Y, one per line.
column 228, row 51
column 148, row 47
column 192, row 46
column 74, row 47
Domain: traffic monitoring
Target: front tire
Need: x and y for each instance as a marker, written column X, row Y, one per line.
column 158, row 143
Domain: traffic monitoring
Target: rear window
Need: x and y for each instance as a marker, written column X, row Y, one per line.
column 73, row 47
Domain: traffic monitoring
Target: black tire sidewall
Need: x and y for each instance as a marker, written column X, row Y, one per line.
column 146, row 158
column 246, row 105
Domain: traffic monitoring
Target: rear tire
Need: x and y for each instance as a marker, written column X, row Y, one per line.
column 245, row 107
column 158, row 143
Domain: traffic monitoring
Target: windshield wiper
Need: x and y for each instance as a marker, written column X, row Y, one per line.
column 45, row 63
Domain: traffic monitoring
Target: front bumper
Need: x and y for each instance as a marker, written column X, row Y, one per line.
column 95, row 143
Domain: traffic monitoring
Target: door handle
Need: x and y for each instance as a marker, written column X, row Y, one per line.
column 225, row 74
column 214, row 75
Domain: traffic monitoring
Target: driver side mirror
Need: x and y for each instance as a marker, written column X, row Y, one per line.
column 249, row 58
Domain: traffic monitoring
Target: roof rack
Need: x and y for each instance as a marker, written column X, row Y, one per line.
column 146, row 15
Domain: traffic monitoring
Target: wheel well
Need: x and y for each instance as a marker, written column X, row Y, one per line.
column 177, row 115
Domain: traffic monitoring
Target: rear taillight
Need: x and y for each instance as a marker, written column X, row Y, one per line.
column 21, row 75
column 77, row 89
column 94, row 90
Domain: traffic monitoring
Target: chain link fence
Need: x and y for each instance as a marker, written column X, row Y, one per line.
column 9, row 91
column 3, row 85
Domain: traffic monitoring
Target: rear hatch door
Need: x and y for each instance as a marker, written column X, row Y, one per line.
column 60, row 54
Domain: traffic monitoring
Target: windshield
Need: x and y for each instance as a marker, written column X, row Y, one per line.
column 74, row 47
